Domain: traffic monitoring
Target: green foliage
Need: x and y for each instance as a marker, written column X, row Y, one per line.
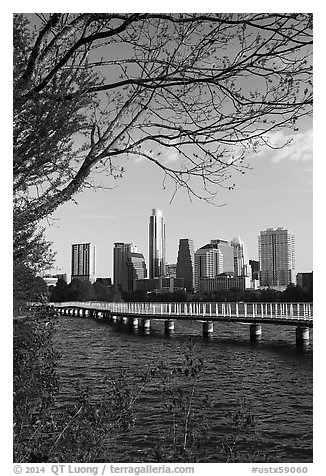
column 27, row 286
column 134, row 296
column 59, row 292
column 31, row 255
column 34, row 379
column 291, row 294
column 30, row 247
column 82, row 290
column 106, row 293
column 297, row 294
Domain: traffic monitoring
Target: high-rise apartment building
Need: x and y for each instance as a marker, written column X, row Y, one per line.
column 213, row 259
column 255, row 268
column 276, row 257
column 240, row 259
column 120, row 252
column 156, row 244
column 128, row 265
column 185, row 263
column 83, row 261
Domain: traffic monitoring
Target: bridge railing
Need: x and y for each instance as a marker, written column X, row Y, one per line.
column 259, row 310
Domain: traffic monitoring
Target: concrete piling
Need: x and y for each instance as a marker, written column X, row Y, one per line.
column 255, row 332
column 169, row 326
column 145, row 323
column 302, row 335
column 208, row 328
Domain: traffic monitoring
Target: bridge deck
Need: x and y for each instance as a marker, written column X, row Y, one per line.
column 268, row 313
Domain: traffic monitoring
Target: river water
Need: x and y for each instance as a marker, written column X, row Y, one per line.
column 273, row 375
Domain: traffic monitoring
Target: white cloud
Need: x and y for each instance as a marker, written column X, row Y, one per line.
column 299, row 149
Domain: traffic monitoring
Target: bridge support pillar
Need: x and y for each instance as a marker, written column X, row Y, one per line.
column 130, row 321
column 255, row 332
column 169, row 326
column 208, row 328
column 302, row 335
column 146, row 323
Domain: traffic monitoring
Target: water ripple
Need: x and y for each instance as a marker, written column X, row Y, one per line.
column 274, row 375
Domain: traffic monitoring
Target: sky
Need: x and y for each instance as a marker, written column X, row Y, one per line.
column 275, row 192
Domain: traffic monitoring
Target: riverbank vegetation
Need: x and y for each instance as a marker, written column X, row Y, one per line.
column 79, row 290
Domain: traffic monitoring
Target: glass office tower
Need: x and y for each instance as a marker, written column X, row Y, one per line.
column 156, row 244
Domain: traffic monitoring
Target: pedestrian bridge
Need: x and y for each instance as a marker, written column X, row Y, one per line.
column 253, row 313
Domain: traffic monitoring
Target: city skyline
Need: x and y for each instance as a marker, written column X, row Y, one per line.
column 228, row 251
column 172, row 245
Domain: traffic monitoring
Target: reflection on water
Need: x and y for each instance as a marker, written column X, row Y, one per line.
column 274, row 375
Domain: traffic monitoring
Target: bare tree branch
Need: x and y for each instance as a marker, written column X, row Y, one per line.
column 90, row 89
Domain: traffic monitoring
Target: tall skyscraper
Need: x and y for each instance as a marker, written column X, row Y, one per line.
column 156, row 244
column 128, row 265
column 213, row 259
column 83, row 261
column 136, row 269
column 185, row 263
column 240, row 259
column 276, row 257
